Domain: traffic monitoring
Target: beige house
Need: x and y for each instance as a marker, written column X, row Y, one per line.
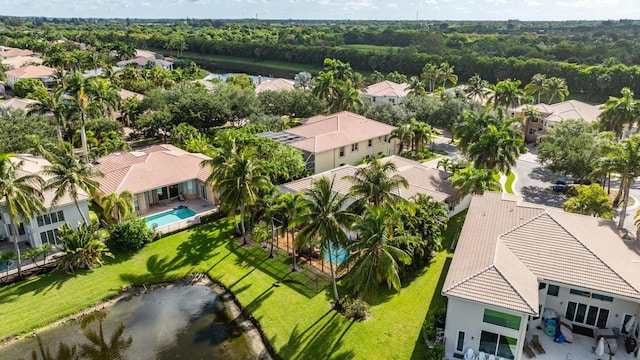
column 144, row 57
column 274, row 85
column 421, row 178
column 155, row 175
column 20, row 61
column 7, row 52
column 517, row 264
column 385, row 92
column 43, row 228
column 17, row 104
column 549, row 115
column 40, row 72
column 330, row 141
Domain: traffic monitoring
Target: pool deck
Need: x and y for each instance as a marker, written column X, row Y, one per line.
column 199, row 206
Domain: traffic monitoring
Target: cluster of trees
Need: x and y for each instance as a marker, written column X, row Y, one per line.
column 603, row 54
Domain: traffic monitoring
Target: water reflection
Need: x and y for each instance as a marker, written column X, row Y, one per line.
column 186, row 322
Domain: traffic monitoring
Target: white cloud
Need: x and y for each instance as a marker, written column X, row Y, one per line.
column 589, row 4
column 431, row 2
column 359, row 5
column 392, row 5
column 532, row 3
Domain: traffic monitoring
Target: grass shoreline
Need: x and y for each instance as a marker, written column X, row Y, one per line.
column 296, row 316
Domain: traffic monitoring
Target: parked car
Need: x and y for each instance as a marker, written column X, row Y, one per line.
column 560, row 185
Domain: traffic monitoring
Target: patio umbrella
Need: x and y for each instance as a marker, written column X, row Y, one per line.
column 600, row 348
column 630, row 324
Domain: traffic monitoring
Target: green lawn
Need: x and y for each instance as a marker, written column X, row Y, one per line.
column 295, row 316
column 509, row 184
column 245, row 65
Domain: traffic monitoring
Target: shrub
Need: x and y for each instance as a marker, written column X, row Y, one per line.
column 131, row 233
column 209, row 218
column 81, row 249
column 350, row 307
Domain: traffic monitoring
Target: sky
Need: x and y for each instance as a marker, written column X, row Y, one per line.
column 330, row 9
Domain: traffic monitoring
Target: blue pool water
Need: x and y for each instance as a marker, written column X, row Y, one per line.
column 337, row 256
column 5, row 264
column 168, row 217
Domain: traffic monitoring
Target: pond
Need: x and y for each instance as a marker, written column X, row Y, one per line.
column 177, row 322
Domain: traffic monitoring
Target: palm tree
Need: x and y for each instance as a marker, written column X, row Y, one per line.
column 620, row 112
column 20, row 197
column 590, row 200
column 445, row 72
column 122, row 203
column 508, row 93
column 238, row 184
column 82, row 106
column 625, row 160
column 404, row 134
column 325, row 222
column 374, row 184
column 430, row 76
column 470, row 128
column 422, row 134
column 498, row 148
column 269, row 203
column 69, row 175
column 50, row 103
column 416, row 87
column 477, row 88
column 375, row 255
column 290, row 207
column 475, row 181
column 538, row 85
column 557, row 86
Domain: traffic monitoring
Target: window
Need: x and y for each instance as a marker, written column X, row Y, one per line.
column 460, row 343
column 370, row 144
column 136, row 205
column 542, row 286
column 173, row 191
column 587, row 314
column 373, row 99
column 60, row 215
column 591, row 295
column 627, row 317
column 354, row 147
column 342, row 151
column 342, row 164
column 163, row 193
column 534, row 119
column 501, row 319
column 498, row 345
column 386, row 138
column 191, row 187
column 532, row 131
column 203, row 191
column 392, row 100
column 553, row 290
column 48, row 219
column 50, row 236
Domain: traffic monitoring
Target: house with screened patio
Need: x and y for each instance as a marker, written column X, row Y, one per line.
column 516, row 265
column 158, row 176
column 43, row 227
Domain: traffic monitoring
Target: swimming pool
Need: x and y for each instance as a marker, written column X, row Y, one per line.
column 5, row 264
column 168, row 217
column 337, row 256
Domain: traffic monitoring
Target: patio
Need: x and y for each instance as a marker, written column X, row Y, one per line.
column 581, row 349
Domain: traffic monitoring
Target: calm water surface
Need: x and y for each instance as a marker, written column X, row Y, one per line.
column 180, row 322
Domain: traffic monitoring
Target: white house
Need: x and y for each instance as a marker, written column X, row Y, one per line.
column 44, row 227
column 516, row 261
column 385, row 92
column 40, row 72
column 331, row 141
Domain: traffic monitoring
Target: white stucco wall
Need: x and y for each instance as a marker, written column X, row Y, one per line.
column 467, row 316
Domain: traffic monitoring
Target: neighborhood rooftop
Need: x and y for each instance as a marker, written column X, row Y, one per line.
column 422, row 179
column 324, row 132
column 507, row 246
column 571, row 109
column 148, row 168
column 387, row 88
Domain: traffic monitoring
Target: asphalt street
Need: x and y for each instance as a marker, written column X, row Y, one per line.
column 534, row 182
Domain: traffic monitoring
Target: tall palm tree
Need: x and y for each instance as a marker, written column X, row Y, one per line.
column 20, row 197
column 122, row 203
column 105, row 93
column 470, row 128
column 83, row 107
column 404, row 134
column 290, row 207
column 538, row 85
column 375, row 184
column 477, row 88
column 620, row 112
column 557, row 86
column 238, row 185
column 625, row 160
column 430, row 76
column 50, row 103
column 325, row 222
column 375, row 255
column 445, row 72
column 422, row 134
column 69, row 175
column 416, row 87
column 475, row 181
column 508, row 93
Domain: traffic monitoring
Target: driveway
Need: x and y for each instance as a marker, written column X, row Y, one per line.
column 534, row 182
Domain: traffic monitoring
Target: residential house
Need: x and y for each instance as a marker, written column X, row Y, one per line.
column 422, row 179
column 40, row 72
column 7, row 52
column 43, row 228
column 515, row 262
column 144, row 57
column 17, row 104
column 156, row 175
column 549, row 115
column 385, row 92
column 274, row 85
column 330, row 141
column 20, row 61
